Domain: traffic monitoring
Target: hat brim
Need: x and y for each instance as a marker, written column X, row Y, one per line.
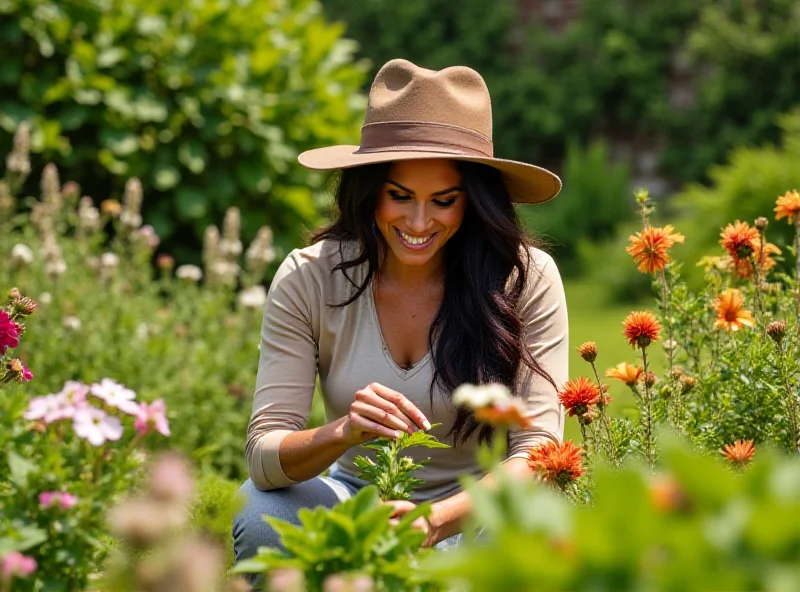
column 526, row 183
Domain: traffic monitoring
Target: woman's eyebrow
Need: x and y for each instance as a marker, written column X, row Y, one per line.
column 437, row 194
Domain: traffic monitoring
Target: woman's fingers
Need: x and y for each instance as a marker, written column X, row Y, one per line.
column 363, row 424
column 386, row 409
column 379, row 415
column 402, row 404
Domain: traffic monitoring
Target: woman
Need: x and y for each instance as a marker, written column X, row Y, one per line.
column 425, row 281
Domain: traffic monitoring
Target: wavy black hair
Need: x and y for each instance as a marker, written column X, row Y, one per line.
column 476, row 336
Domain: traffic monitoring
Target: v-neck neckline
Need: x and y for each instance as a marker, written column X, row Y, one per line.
column 401, row 372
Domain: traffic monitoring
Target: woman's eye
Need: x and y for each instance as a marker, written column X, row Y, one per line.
column 398, row 196
column 444, row 203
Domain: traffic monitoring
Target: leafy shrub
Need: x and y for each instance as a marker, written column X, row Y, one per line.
column 594, row 201
column 208, row 103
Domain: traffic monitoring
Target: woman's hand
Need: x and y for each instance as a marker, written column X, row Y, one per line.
column 379, row 411
column 426, row 525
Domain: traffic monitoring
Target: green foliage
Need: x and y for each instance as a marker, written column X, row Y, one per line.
column 742, row 189
column 354, row 536
column 214, row 509
column 585, row 209
column 696, row 525
column 207, row 102
column 391, row 473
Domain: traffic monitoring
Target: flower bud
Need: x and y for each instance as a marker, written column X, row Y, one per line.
column 650, row 379
column 777, row 330
column 111, row 207
column 588, row 351
column 687, row 384
column 761, row 223
column 165, row 262
column 23, row 306
column 70, row 191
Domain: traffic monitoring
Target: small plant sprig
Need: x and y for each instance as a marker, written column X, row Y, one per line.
column 391, row 473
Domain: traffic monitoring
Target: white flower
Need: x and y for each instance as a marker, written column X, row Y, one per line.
column 21, row 255
column 190, row 273
column 55, row 267
column 142, row 331
column 109, row 260
column 116, row 395
column 45, row 298
column 96, row 426
column 477, row 397
column 72, row 323
column 254, row 297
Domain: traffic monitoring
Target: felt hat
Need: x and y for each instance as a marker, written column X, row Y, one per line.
column 414, row 113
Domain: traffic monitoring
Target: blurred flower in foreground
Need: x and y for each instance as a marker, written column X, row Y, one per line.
column 641, row 328
column 649, row 247
column 667, row 494
column 16, row 565
column 64, row 500
column 740, row 452
column 731, row 315
column 788, row 206
column 254, row 297
column 556, row 463
column 625, row 372
column 492, row 404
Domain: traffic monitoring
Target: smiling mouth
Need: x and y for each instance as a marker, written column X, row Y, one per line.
column 415, row 242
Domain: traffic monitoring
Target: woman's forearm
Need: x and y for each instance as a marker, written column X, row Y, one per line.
column 307, row 453
column 448, row 515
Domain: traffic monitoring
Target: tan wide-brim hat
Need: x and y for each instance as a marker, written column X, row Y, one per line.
column 416, row 114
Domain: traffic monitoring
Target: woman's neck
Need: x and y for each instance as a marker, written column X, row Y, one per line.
column 412, row 276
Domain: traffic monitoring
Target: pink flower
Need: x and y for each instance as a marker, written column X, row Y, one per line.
column 152, row 417
column 9, row 332
column 47, row 408
column 17, row 564
column 72, row 397
column 65, row 500
column 115, row 395
column 17, row 371
column 96, row 426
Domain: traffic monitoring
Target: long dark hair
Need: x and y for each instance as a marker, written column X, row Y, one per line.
column 476, row 336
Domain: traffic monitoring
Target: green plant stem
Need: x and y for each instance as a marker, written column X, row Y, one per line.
column 612, row 445
column 797, row 271
column 648, row 412
column 789, row 401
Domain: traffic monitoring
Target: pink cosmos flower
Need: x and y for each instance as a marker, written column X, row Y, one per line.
column 47, row 408
column 15, row 564
column 63, row 499
column 96, row 426
column 9, row 332
column 115, row 395
column 152, row 417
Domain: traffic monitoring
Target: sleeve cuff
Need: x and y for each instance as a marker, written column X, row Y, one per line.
column 265, row 464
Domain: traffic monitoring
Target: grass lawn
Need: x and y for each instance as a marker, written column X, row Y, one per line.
column 592, row 318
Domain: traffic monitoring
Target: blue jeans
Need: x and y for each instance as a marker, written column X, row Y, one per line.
column 250, row 531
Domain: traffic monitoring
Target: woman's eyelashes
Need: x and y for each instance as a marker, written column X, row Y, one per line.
column 442, row 203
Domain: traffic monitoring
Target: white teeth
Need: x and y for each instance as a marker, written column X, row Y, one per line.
column 414, row 240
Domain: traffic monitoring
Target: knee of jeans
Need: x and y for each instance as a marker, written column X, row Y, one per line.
column 250, row 530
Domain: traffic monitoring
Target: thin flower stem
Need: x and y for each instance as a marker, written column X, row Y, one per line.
column 612, row 446
column 648, row 446
column 797, row 270
column 662, row 277
column 789, row 401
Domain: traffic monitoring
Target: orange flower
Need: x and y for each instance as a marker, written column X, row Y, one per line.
column 641, row 327
column 788, row 206
column 738, row 239
column 556, row 463
column 588, row 351
column 509, row 414
column 731, row 315
column 649, row 247
column 578, row 395
column 762, row 255
column 740, row 452
column 667, row 494
column 625, row 372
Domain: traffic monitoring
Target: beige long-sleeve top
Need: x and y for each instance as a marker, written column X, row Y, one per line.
column 302, row 336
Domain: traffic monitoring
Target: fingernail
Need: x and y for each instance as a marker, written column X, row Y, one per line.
column 426, row 424
column 398, row 434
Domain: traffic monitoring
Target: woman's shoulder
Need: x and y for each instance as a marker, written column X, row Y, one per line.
column 315, row 264
column 542, row 274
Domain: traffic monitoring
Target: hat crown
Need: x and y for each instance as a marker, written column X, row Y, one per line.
column 455, row 96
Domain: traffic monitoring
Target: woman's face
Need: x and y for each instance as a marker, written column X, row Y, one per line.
column 420, row 207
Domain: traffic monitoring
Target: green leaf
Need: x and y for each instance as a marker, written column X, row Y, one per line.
column 19, row 469
column 166, row 176
column 191, row 203
column 193, row 155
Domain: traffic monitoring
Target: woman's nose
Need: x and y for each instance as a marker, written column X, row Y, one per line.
column 419, row 218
